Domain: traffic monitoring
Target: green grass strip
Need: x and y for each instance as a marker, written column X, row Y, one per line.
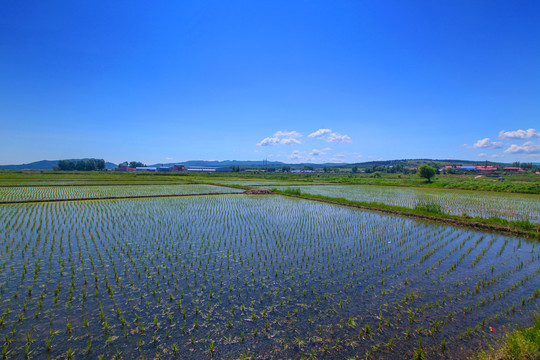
column 522, row 343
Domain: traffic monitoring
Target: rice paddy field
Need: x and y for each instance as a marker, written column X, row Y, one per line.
column 261, row 277
column 455, row 202
column 26, row 193
column 254, row 182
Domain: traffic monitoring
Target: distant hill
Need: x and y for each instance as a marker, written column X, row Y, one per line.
column 243, row 163
column 223, row 163
column 46, row 165
column 418, row 162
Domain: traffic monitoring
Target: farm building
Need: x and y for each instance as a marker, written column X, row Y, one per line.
column 208, row 169
column 178, row 167
column 146, row 168
column 486, row 168
column 513, row 168
column 466, row 168
column 124, row 167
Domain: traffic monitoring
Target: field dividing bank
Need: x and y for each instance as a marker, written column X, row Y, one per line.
column 259, row 277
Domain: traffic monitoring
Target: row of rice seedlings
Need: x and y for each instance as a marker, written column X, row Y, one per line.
column 455, row 202
column 143, row 273
column 75, row 192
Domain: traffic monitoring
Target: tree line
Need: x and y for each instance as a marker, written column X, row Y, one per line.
column 80, row 165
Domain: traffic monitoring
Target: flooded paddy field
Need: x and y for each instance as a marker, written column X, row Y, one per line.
column 27, row 193
column 455, row 202
column 252, row 276
column 254, row 182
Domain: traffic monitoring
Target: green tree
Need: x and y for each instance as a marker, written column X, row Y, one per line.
column 285, row 168
column 100, row 164
column 134, row 164
column 355, row 169
column 427, row 172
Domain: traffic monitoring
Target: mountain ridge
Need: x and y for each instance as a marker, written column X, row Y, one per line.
column 48, row 164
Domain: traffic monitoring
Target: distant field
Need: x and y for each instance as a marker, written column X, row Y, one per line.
column 456, row 202
column 252, row 182
column 73, row 192
column 528, row 183
column 37, row 178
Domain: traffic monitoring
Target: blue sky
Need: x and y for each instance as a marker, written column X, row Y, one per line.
column 292, row 81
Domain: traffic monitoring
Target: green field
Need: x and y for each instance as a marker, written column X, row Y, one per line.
column 528, row 183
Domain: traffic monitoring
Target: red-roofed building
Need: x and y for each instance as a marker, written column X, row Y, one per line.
column 178, row 168
column 486, row 168
column 124, row 167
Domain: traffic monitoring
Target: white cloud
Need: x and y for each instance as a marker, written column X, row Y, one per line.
column 338, row 138
column 297, row 156
column 484, row 155
column 320, row 133
column 269, row 141
column 287, row 134
column 485, row 144
column 519, row 134
column 169, row 158
column 338, row 158
column 528, row 148
column 316, row 152
column 282, row 137
column 289, row 142
column 332, row 137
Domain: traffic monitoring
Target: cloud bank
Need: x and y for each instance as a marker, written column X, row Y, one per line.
column 331, row 137
column 283, row 138
column 519, row 134
column 529, row 147
column 487, row 144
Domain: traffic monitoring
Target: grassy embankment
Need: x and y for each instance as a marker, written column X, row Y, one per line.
column 520, row 344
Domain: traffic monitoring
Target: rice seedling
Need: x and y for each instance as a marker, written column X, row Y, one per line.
column 147, row 270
